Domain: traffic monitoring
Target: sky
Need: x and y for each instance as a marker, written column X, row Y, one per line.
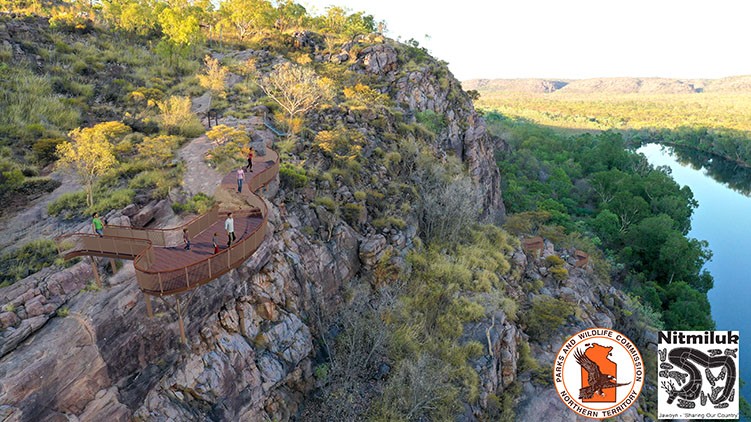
column 571, row 39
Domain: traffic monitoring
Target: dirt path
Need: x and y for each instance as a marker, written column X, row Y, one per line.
column 34, row 222
column 199, row 177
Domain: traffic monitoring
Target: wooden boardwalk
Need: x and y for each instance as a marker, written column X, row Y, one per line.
column 163, row 266
column 166, row 258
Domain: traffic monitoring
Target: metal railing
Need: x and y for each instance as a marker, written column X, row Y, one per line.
column 269, row 123
column 138, row 244
column 166, row 237
column 79, row 244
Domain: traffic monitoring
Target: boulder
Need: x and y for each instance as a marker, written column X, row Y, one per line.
column 144, row 216
column 378, row 59
column 130, row 210
column 308, row 40
column 371, row 249
column 8, row 319
column 160, row 211
column 35, row 306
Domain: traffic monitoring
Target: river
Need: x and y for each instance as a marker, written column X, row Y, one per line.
column 723, row 218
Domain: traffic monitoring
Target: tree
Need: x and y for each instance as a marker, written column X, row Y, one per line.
column 246, row 15
column 134, row 16
column 295, row 88
column 341, row 144
column 289, row 14
column 177, row 117
column 362, row 97
column 214, row 76
column 221, row 134
column 338, row 20
column 181, row 28
column 473, row 94
column 686, row 309
column 90, row 153
column 629, row 208
column 157, row 149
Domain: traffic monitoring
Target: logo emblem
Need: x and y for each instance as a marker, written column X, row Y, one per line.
column 697, row 375
column 598, row 373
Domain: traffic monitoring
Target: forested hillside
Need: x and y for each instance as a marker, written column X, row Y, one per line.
column 392, row 285
column 638, row 216
column 713, row 116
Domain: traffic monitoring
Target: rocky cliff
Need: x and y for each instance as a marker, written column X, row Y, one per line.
column 73, row 351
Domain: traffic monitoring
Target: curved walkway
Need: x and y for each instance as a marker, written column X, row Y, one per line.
column 162, row 266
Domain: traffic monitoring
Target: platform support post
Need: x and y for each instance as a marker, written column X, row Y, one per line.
column 149, row 311
column 96, row 272
column 183, row 339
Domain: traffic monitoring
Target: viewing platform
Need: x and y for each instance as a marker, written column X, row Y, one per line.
column 163, row 267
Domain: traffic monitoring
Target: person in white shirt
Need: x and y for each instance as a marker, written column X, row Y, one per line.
column 229, row 226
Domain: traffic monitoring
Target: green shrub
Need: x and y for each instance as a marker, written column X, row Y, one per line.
column 37, row 185
column 554, row 261
column 114, row 201
column 158, row 182
column 353, row 214
column 390, row 221
column 547, row 315
column 68, row 205
column 432, row 121
column 327, row 202
column 391, row 159
column 293, row 176
column 360, row 195
column 510, row 307
column 27, row 260
column 559, row 273
column 199, row 203
column 63, row 311
column 227, row 157
column 70, row 87
column 44, row 149
column 321, row 372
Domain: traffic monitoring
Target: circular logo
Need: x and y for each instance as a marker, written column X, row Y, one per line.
column 598, row 373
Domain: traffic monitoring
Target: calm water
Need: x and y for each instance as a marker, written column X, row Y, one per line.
column 723, row 218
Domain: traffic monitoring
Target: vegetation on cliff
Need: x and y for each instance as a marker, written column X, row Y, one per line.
column 374, row 139
column 594, row 185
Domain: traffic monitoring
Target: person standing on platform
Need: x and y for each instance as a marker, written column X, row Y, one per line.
column 186, row 239
column 229, row 226
column 250, row 161
column 96, row 222
column 240, row 178
column 214, row 242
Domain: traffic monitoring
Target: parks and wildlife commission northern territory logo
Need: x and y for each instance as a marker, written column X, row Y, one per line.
column 598, row 373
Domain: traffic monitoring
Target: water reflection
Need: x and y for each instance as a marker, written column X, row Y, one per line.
column 724, row 171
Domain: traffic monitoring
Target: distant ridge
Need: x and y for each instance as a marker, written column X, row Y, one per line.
column 539, row 86
column 728, row 85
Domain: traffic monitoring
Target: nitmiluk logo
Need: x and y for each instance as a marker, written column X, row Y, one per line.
column 690, row 337
column 698, row 374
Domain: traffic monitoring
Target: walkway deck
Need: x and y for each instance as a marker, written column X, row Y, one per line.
column 163, row 266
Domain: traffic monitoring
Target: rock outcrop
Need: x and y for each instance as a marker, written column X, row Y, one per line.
column 92, row 354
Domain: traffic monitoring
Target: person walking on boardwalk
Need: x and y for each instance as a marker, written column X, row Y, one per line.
column 214, row 242
column 229, row 226
column 240, row 178
column 97, row 224
column 250, row 161
column 186, row 239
